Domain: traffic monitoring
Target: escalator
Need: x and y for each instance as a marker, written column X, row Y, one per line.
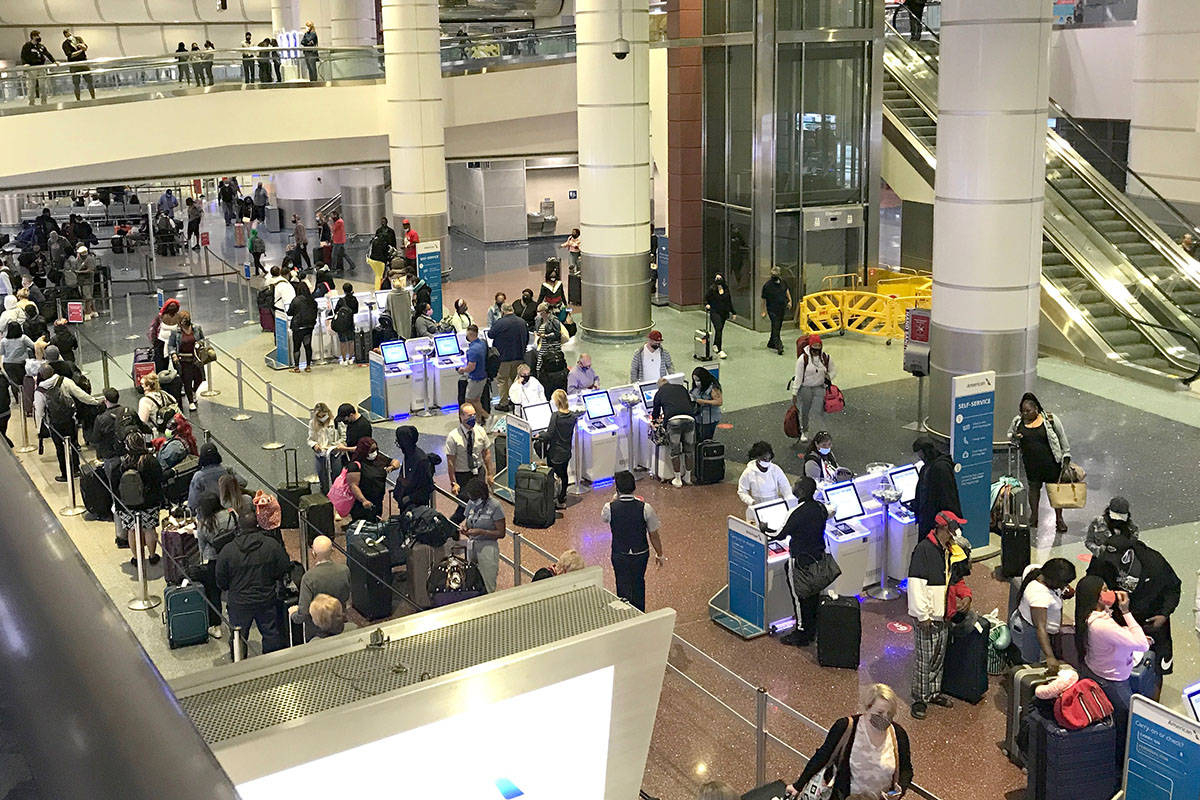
column 1117, row 292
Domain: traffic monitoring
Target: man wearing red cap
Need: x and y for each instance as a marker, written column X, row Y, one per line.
column 928, row 581
column 410, row 245
column 651, row 361
column 814, row 372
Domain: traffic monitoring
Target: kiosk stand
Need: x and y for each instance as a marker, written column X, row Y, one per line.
column 886, row 495
column 426, row 350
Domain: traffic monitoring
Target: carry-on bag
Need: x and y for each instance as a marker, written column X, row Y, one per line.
column 710, row 462
column 316, row 517
column 1071, row 765
column 185, row 615
column 1020, row 682
column 533, row 505
column 93, row 485
column 180, row 551
column 702, row 342
column 839, row 632
column 362, row 347
column 965, row 674
column 1144, row 678
column 835, row 401
column 1014, row 527
column 454, row 579
column 421, row 558
column 179, row 479
column 239, row 234
column 291, row 491
column 775, row 790
column 370, row 574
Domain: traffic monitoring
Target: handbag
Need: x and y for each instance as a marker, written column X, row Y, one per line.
column 205, row 353
column 835, row 401
column 812, row 579
column 791, row 420
column 340, row 494
column 659, row 436
column 821, row 785
column 1070, row 491
column 267, row 511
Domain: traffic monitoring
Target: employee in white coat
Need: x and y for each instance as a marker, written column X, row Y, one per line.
column 762, row 480
column 526, row 389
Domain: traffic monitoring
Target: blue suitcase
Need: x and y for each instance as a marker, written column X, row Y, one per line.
column 1071, row 765
column 185, row 615
column 1144, row 678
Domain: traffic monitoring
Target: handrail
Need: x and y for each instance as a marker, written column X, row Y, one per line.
column 1178, row 332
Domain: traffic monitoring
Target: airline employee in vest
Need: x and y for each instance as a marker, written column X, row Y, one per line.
column 634, row 530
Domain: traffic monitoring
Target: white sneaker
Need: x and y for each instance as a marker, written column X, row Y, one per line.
column 687, row 477
column 676, row 481
column 721, row 354
column 803, row 436
column 215, row 631
column 191, row 406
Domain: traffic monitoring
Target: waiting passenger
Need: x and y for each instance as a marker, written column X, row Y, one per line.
column 140, row 481
column 929, row 575
column 1036, row 622
column 937, row 488
column 559, row 438
column 805, row 527
column 526, row 389
column 322, row 438
column 366, row 475
column 484, row 527
column 208, row 474
column 414, row 481
column 216, row 527
column 526, row 308
column 672, row 408
column 762, row 480
column 1045, row 452
column 328, row 615
column 651, row 361
column 708, row 398
column 248, row 570
column 1116, row 519
column 343, row 325
column 324, row 577
column 424, row 324
column 819, row 462
column 303, row 313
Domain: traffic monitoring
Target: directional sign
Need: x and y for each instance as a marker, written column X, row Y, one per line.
column 972, row 401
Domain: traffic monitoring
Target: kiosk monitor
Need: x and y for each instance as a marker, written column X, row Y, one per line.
column 394, row 353
column 771, row 516
column 648, row 391
column 1191, row 696
column 446, row 345
column 847, row 505
column 598, row 405
column 538, row 416
column 905, row 480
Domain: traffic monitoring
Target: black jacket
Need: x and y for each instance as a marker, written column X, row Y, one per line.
column 414, row 479
column 250, row 567
column 559, row 435
column 936, row 491
column 526, row 311
column 719, row 304
column 105, row 435
column 303, row 311
column 1158, row 587
column 806, row 526
column 383, row 239
column 671, row 400
column 510, row 337
column 841, row 784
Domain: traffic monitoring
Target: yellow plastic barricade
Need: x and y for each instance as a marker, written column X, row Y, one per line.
column 820, row 312
column 867, row 312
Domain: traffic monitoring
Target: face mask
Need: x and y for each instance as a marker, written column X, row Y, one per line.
column 524, row 379
column 469, row 422
column 371, row 454
column 824, row 450
column 1108, row 598
column 763, row 463
column 880, row 722
column 816, row 351
column 654, row 346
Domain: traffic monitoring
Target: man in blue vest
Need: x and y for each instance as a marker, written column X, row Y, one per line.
column 634, row 528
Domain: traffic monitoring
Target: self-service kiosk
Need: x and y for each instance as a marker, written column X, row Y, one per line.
column 392, row 381
column 447, row 357
column 598, row 432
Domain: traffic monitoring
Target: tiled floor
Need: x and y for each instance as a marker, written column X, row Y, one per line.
column 1147, row 456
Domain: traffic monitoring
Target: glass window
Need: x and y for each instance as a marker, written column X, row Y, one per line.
column 834, row 77
column 741, row 263
column 789, row 86
column 794, row 15
column 714, row 16
column 714, row 123
column 741, row 125
column 715, row 242
column 741, row 15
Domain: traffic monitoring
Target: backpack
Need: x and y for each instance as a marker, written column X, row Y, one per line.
column 131, row 490
column 266, row 297
column 343, row 320
column 165, row 411
column 791, row 421
column 1081, row 704
column 224, row 537
column 171, row 453
column 257, row 245
column 60, row 407
column 492, row 363
column 427, row 526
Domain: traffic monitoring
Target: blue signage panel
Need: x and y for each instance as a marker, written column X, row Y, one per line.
column 378, row 389
column 1164, row 749
column 429, row 269
column 747, row 578
column 974, row 397
column 161, row 298
column 664, row 264
column 520, row 447
column 282, row 356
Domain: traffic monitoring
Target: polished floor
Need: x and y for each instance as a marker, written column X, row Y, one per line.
column 1133, row 440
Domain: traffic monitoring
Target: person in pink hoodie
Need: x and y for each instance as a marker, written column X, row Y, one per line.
column 1107, row 647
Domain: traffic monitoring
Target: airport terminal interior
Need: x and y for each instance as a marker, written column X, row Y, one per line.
column 760, row 414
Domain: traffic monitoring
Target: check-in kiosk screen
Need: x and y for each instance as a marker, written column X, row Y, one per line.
column 447, row 345
column 648, row 391
column 773, row 515
column 394, row 353
column 598, row 405
column 905, row 481
column 538, row 416
column 847, row 505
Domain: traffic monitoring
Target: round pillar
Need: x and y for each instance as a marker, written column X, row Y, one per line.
column 10, row 209
column 304, row 191
column 284, row 15
column 614, row 166
column 362, row 199
column 414, row 114
column 987, row 213
column 318, row 12
column 352, row 23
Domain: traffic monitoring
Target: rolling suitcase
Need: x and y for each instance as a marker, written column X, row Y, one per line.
column 292, row 490
column 533, row 505
column 362, row 347
column 316, row 517
column 399, row 539
column 180, row 551
column 965, row 673
column 1013, row 529
column 454, row 579
column 370, row 574
column 266, row 319
column 702, row 342
column 179, row 479
column 93, row 485
column 771, row 791
column 1144, row 678
column 185, row 615
column 143, row 364
column 839, row 632
column 1071, row 765
column 421, row 558
column 574, row 290
column 1021, row 681
column 239, row 234
column 710, row 462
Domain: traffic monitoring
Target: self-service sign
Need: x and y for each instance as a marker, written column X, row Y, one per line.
column 74, row 311
column 204, row 239
column 974, row 397
column 916, row 341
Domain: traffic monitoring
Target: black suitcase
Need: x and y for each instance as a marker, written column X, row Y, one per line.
column 93, row 485
column 965, row 673
column 316, row 514
column 454, row 579
column 292, row 490
column 533, row 504
column 710, row 462
column 362, row 347
column 574, row 290
column 179, row 479
column 118, row 244
column 370, row 574
column 1071, row 765
column 1014, row 548
column 771, row 791
column 399, row 539
column 839, row 632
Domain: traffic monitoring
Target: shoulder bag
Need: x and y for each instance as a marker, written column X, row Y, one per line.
column 813, row 578
column 1070, row 491
column 821, row 785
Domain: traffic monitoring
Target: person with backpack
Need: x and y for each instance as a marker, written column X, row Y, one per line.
column 380, row 253
column 559, row 439
column 140, row 492
column 165, row 323
column 256, row 247
column 248, row 569
column 414, row 479
column 54, row 414
column 814, row 373
column 1108, row 648
column 16, row 348
column 303, row 313
column 930, row 578
column 181, row 348
column 342, row 323
column 64, row 339
column 206, row 480
column 157, row 408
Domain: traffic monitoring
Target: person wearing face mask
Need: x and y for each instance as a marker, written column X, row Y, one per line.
column 1045, row 452
column 706, row 394
column 819, row 461
column 582, row 377
column 871, row 759
column 526, row 308
column 805, row 532
column 776, row 300
column 526, row 390
column 496, row 309
column 936, row 487
column 1116, row 519
column 1107, row 648
column 460, row 320
column 719, row 305
column 651, row 361
column 35, row 54
column 366, row 475
column 814, row 373
column 1036, row 622
column 929, row 579
column 322, row 438
column 762, row 479
column 1153, row 587
column 468, row 454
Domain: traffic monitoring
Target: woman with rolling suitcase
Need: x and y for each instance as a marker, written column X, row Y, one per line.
column 706, row 394
column 1045, row 451
column 719, row 305
column 559, row 436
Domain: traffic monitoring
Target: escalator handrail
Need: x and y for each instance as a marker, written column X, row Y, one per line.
column 1184, row 334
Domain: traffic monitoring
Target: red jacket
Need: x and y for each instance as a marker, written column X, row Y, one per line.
column 339, row 231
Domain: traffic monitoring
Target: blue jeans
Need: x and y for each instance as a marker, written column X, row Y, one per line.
column 1120, row 694
column 322, row 465
column 264, row 615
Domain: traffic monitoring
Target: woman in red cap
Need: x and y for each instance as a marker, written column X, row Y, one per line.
column 165, row 323
column 814, row 373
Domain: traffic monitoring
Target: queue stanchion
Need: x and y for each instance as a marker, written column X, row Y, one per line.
column 144, row 601
column 274, row 443
column 69, row 451
column 224, row 283
column 517, row 559
column 207, row 271
column 241, row 415
column 208, row 380
column 239, row 645
column 251, row 306
column 104, row 367
column 25, row 447
column 760, row 736
column 129, row 316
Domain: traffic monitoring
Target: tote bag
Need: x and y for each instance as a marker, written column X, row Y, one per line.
column 340, row 494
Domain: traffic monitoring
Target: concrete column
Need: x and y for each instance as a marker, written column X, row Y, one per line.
column 319, row 12
column 614, row 166
column 685, row 160
column 10, row 209
column 284, row 15
column 304, row 191
column 362, row 198
column 352, row 23
column 1164, row 137
column 987, row 217
column 416, row 139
